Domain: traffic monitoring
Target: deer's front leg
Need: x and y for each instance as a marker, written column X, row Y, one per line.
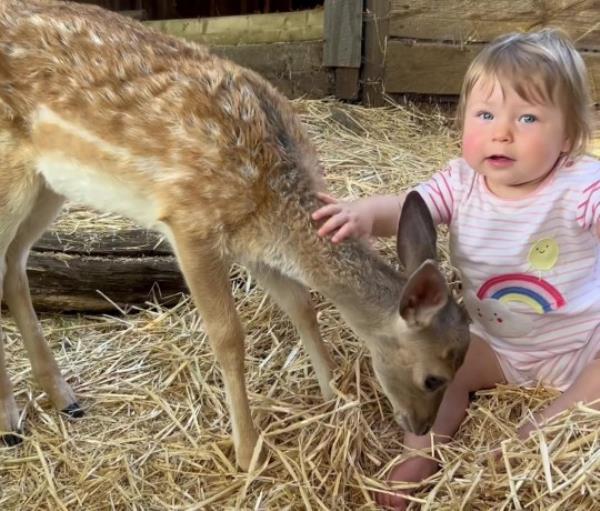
column 207, row 276
column 294, row 300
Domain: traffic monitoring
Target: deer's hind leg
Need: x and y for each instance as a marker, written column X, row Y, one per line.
column 294, row 299
column 9, row 414
column 16, row 198
column 18, row 298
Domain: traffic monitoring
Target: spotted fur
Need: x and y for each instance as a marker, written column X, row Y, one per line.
column 100, row 109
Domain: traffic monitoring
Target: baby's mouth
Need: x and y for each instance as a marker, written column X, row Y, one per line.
column 499, row 158
column 499, row 161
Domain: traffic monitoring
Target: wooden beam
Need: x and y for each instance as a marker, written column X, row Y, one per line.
column 482, row 21
column 438, row 68
column 343, row 45
column 376, row 31
column 343, row 33
column 248, row 29
column 347, row 84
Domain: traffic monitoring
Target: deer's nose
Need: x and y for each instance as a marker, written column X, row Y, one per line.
column 422, row 427
column 413, row 426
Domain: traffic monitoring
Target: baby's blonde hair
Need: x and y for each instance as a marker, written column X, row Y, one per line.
column 542, row 67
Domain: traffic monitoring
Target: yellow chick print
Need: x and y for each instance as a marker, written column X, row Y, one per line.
column 543, row 254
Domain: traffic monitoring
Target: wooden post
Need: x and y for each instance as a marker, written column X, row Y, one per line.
column 343, row 35
column 376, row 30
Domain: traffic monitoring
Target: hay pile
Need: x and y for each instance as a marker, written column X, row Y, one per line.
column 156, row 433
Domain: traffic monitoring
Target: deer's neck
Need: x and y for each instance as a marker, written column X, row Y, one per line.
column 363, row 287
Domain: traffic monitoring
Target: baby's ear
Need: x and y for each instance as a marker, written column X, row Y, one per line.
column 598, row 229
column 567, row 146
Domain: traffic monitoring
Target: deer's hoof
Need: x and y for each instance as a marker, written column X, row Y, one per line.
column 11, row 439
column 74, row 411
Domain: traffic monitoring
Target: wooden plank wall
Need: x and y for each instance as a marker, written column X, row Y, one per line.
column 296, row 68
column 431, row 42
column 286, row 48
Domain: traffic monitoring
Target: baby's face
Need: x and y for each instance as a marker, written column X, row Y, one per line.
column 512, row 142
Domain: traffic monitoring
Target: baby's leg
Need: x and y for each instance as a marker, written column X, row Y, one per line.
column 586, row 389
column 480, row 370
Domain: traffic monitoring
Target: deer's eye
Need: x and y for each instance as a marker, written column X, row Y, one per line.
column 433, row 383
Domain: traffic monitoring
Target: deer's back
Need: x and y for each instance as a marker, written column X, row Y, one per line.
column 146, row 117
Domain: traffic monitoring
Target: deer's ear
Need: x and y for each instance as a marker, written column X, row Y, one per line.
column 424, row 294
column 416, row 241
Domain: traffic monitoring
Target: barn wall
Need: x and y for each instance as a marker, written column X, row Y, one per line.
column 421, row 47
column 431, row 42
column 286, row 48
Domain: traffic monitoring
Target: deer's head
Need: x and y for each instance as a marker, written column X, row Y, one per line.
column 417, row 353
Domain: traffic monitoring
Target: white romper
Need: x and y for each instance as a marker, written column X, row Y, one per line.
column 530, row 267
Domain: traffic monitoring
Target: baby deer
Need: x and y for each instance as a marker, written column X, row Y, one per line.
column 97, row 108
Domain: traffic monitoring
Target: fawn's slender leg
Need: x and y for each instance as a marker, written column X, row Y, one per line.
column 207, row 276
column 294, row 299
column 9, row 413
column 17, row 296
column 15, row 201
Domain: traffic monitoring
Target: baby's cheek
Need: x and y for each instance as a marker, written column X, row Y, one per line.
column 598, row 229
column 471, row 147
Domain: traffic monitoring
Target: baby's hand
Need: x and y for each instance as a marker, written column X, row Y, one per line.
column 344, row 219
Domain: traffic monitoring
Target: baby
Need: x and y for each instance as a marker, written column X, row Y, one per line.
column 523, row 209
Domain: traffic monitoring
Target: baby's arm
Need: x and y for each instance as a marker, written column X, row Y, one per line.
column 372, row 216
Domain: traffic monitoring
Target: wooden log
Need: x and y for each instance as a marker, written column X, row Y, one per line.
column 130, row 242
column 86, row 271
column 63, row 282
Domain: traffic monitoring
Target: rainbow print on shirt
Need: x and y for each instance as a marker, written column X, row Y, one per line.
column 538, row 294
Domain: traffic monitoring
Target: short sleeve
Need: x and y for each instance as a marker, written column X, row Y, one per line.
column 441, row 192
column 588, row 208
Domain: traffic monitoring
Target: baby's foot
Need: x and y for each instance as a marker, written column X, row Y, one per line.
column 412, row 470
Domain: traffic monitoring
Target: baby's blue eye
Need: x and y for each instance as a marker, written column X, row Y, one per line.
column 528, row 118
column 486, row 116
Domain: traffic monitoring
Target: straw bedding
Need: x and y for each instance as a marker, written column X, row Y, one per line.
column 156, row 433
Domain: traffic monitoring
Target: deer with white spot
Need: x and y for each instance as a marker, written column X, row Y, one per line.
column 97, row 108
